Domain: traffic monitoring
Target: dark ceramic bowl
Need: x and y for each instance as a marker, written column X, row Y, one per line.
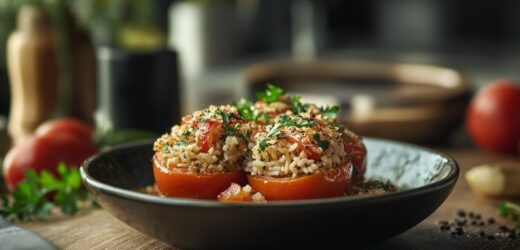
column 425, row 177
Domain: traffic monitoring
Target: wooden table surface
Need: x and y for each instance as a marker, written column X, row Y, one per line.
column 96, row 229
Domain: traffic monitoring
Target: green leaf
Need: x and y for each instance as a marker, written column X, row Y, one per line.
column 323, row 144
column 271, row 94
column 263, row 145
column 31, row 198
column 225, row 117
column 330, row 112
column 298, row 106
column 245, row 109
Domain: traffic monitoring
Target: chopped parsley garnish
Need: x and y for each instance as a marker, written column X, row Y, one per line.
column 286, row 121
column 263, row 145
column 323, row 144
column 298, row 106
column 330, row 112
column 340, row 127
column 232, row 131
column 245, row 109
column 186, row 133
column 202, row 119
column 181, row 143
column 271, row 94
column 225, row 117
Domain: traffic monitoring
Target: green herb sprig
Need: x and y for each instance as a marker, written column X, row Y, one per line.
column 330, row 112
column 286, row 121
column 510, row 210
column 38, row 193
column 271, row 94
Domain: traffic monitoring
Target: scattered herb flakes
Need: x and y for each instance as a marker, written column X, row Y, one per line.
column 181, row 143
column 271, row 94
column 186, row 133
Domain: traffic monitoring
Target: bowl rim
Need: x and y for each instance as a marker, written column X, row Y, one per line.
column 448, row 180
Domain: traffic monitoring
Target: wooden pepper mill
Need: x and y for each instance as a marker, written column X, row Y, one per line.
column 32, row 52
column 33, row 72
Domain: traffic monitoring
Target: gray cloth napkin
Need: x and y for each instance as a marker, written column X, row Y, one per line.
column 15, row 238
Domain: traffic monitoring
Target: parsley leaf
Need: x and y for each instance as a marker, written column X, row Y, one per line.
column 245, row 109
column 186, row 133
column 323, row 144
column 298, row 106
column 263, row 145
column 181, row 143
column 330, row 112
column 38, row 193
column 225, row 117
column 271, row 94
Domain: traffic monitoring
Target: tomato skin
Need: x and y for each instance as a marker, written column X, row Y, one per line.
column 44, row 153
column 65, row 125
column 310, row 150
column 493, row 117
column 235, row 194
column 176, row 182
column 210, row 134
column 333, row 183
column 355, row 148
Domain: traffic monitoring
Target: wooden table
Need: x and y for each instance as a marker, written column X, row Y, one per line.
column 96, row 229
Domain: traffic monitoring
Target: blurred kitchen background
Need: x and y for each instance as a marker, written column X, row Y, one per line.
column 140, row 64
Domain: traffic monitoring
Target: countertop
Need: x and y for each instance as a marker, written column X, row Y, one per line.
column 97, row 229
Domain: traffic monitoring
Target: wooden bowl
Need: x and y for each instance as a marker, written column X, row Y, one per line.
column 407, row 102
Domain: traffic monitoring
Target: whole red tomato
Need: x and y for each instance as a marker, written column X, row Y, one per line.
column 65, row 125
column 493, row 117
column 62, row 140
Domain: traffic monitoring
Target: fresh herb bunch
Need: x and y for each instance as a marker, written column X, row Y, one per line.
column 38, row 193
column 510, row 210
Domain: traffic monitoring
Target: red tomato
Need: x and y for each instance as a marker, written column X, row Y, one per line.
column 331, row 183
column 355, row 148
column 177, row 182
column 210, row 133
column 235, row 193
column 493, row 117
column 61, row 140
column 310, row 150
column 45, row 152
column 65, row 125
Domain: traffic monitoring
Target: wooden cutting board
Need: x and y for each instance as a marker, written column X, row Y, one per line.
column 97, row 229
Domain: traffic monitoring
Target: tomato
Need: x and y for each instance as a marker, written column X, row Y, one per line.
column 65, row 125
column 356, row 150
column 310, row 150
column 177, row 182
column 61, row 140
column 210, row 132
column 493, row 117
column 44, row 153
column 331, row 183
column 235, row 193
